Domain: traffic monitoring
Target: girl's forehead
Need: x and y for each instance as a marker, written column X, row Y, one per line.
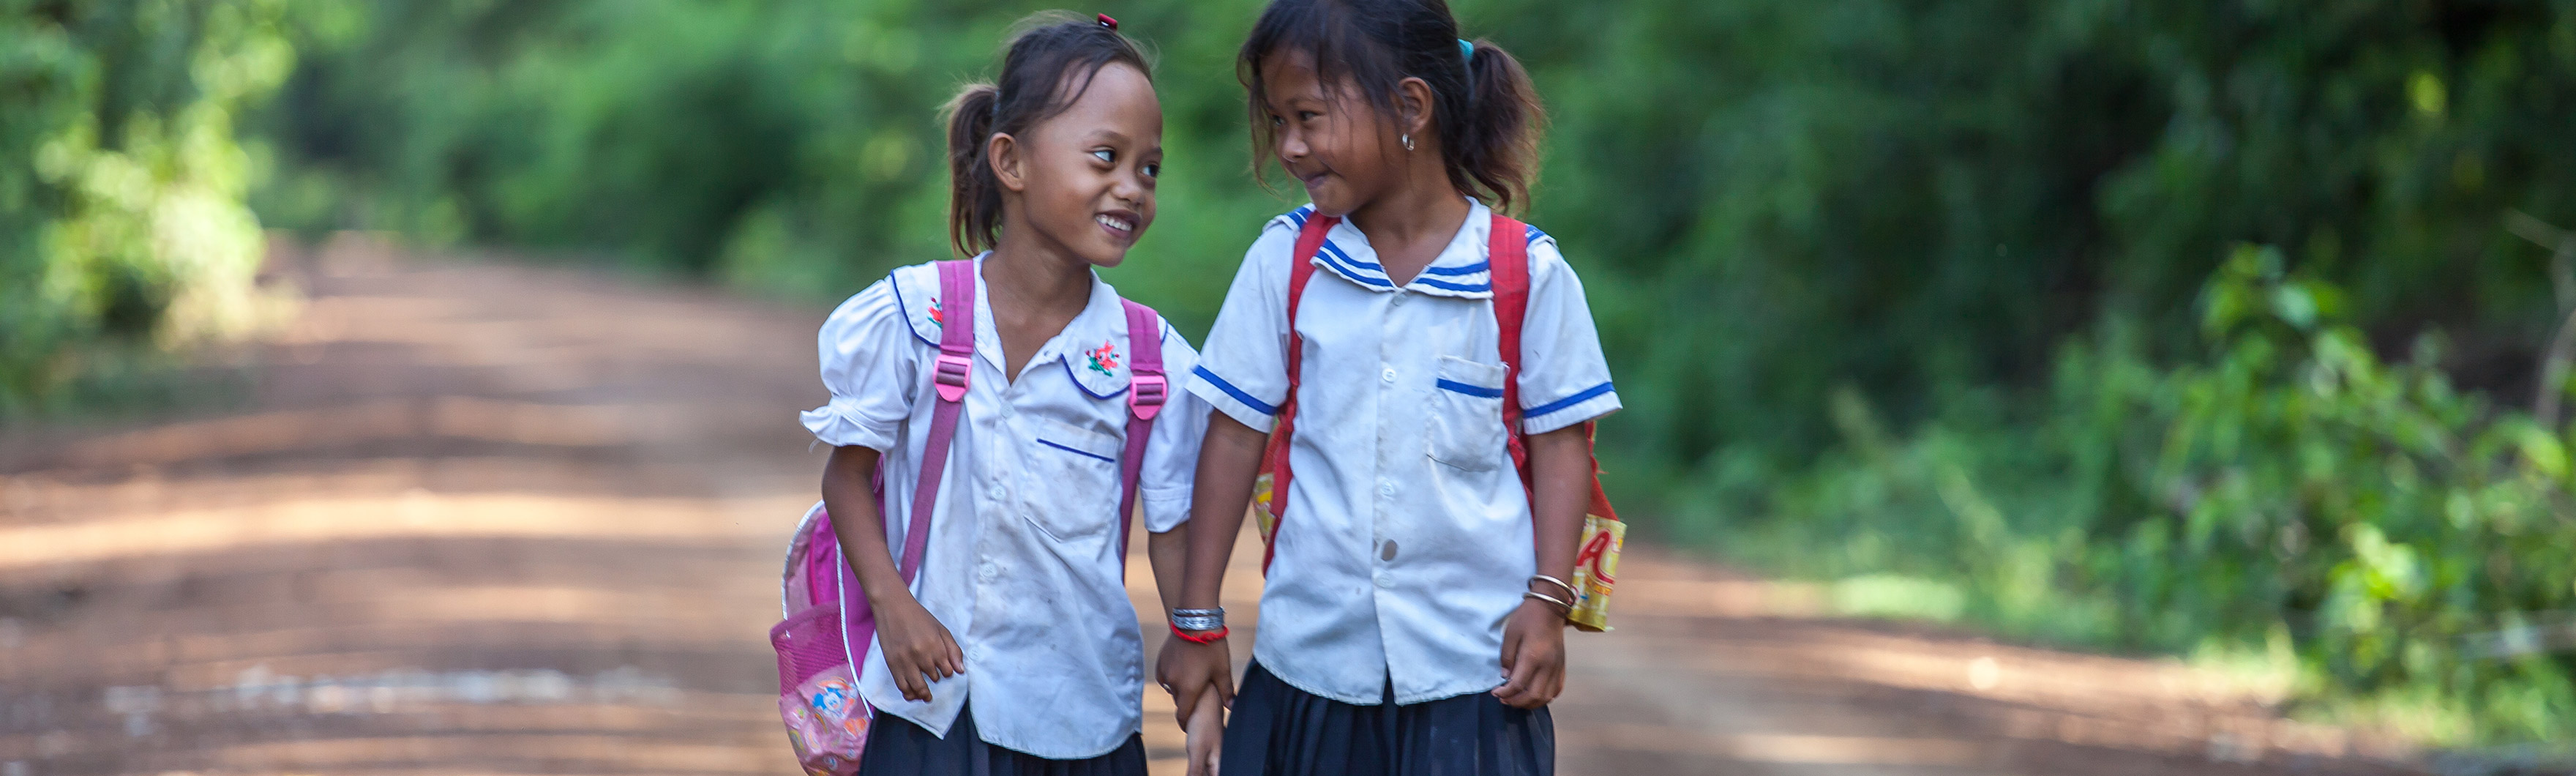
column 1116, row 98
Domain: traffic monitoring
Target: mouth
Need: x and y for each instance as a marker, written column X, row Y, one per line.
column 1119, row 224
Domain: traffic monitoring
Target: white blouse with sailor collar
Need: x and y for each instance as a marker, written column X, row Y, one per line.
column 1407, row 538
column 1022, row 565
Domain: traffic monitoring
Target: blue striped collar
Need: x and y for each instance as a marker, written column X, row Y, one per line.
column 1460, row 271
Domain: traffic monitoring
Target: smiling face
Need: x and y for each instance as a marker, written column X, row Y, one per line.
column 1085, row 176
column 1331, row 140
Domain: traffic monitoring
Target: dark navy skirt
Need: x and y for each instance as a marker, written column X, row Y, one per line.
column 896, row 747
column 1278, row 730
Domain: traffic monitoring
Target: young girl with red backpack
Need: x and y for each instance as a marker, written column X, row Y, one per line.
column 993, row 426
column 1411, row 377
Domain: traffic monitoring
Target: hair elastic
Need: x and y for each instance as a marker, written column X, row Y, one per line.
column 1466, row 50
column 1110, row 23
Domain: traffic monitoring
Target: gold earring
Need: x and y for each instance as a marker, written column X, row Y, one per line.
column 1408, row 142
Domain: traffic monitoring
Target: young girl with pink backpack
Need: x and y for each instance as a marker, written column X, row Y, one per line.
column 1406, row 380
column 957, row 602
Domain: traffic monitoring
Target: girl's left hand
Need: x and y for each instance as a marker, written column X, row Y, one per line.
column 1533, row 656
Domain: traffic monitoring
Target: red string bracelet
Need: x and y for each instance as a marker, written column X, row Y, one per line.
column 1210, row 636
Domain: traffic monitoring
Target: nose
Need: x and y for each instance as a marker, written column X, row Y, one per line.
column 1292, row 145
column 1133, row 188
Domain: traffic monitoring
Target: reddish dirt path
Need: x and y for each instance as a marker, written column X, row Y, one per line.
column 480, row 519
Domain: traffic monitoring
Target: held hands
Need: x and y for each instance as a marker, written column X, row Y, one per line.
column 1533, row 655
column 1205, row 732
column 1195, row 673
column 918, row 650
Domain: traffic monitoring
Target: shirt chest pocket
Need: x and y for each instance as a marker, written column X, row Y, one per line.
column 1072, row 490
column 1467, row 415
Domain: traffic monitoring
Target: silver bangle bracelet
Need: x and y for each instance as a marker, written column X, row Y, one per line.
column 1199, row 619
column 1533, row 594
column 1569, row 588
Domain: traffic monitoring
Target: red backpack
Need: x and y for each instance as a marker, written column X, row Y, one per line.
column 1596, row 563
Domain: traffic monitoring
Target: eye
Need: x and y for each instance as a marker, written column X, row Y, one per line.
column 1105, row 155
column 1307, row 115
column 1153, row 170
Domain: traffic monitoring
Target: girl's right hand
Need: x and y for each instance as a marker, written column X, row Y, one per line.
column 1190, row 670
column 917, row 648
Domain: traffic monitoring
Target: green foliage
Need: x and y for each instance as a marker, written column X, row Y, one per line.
column 122, row 218
column 787, row 146
column 2403, row 536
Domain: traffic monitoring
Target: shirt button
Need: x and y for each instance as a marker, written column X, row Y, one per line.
column 995, row 491
column 1386, row 375
column 988, row 572
column 1006, row 410
column 1383, row 582
column 1386, row 488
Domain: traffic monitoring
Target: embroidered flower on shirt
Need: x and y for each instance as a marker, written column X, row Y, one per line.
column 935, row 316
column 1104, row 358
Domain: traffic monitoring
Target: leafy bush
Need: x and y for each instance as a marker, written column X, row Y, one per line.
column 122, row 218
column 2407, row 540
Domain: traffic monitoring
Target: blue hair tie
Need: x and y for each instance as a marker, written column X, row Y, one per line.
column 1467, row 50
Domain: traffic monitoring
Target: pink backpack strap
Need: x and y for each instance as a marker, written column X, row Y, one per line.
column 952, row 371
column 1147, row 391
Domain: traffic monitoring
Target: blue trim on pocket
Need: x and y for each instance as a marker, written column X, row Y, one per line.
column 1579, row 398
column 1229, row 389
column 1471, row 390
column 1083, row 453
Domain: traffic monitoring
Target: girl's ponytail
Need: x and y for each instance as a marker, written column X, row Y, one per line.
column 1493, row 143
column 974, row 195
column 1049, row 65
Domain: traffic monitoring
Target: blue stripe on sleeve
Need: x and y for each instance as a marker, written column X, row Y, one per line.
column 1229, row 389
column 1579, row 398
column 1471, row 390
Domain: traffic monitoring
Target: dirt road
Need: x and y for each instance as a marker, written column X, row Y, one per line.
column 480, row 519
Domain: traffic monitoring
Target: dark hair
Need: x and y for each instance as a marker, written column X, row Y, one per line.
column 1049, row 65
column 1487, row 113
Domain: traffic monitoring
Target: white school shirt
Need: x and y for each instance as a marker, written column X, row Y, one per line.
column 1022, row 565
column 1407, row 536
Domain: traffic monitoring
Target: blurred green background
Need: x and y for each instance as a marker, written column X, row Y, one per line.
column 2228, row 329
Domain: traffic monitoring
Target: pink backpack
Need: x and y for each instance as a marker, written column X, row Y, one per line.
column 828, row 626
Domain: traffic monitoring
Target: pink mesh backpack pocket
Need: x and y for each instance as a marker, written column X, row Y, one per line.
column 818, row 690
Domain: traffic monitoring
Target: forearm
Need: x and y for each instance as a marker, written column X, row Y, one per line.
column 859, row 525
column 1229, row 461
column 1168, row 552
column 1561, row 480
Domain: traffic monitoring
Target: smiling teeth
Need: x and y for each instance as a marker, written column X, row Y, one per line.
column 1114, row 223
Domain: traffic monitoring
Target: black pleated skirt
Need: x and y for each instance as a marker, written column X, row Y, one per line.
column 1278, row 730
column 896, row 747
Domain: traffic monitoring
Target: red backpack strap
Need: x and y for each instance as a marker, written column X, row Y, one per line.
column 1507, row 260
column 1301, row 268
column 1147, row 391
column 951, row 373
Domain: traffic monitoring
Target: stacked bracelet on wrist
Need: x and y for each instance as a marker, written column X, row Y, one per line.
column 1198, row 619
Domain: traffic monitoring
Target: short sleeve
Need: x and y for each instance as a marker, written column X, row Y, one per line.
column 1565, row 381
column 1172, row 453
column 870, row 359
column 1243, row 371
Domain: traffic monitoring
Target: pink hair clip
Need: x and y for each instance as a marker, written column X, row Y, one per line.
column 1110, row 23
